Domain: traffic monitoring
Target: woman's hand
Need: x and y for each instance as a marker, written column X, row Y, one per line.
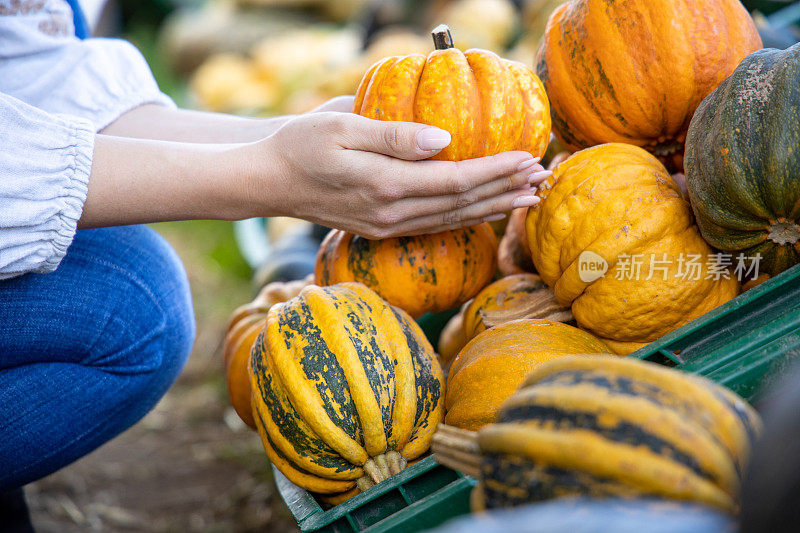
column 365, row 176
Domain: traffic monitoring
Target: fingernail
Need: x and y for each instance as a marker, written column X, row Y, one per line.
column 541, row 175
column 494, row 218
column 432, row 139
column 525, row 201
column 528, row 163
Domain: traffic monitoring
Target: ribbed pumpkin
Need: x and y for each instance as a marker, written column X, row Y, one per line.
column 616, row 427
column 425, row 273
column 244, row 325
column 488, row 104
column 493, row 364
column 513, row 297
column 617, row 204
column 346, row 388
column 635, row 71
column 743, row 161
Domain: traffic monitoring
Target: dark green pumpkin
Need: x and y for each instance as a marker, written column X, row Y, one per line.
column 743, row 161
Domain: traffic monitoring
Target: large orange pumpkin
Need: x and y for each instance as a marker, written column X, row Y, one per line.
column 635, row 71
column 616, row 240
column 425, row 273
column 488, row 104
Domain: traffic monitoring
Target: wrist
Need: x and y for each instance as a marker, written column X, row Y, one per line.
column 256, row 186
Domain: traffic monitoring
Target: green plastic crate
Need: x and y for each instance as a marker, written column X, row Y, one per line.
column 422, row 496
column 744, row 344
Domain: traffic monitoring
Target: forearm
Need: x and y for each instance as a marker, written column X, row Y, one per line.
column 180, row 125
column 139, row 181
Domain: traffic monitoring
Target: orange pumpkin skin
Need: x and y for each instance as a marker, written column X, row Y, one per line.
column 244, row 325
column 488, row 104
column 492, row 366
column 635, row 71
column 426, row 273
column 238, row 342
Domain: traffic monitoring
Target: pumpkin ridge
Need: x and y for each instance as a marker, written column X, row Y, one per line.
column 627, row 420
column 309, row 372
column 284, row 419
column 295, row 473
column 583, row 450
column 428, row 380
column 324, row 308
column 400, row 424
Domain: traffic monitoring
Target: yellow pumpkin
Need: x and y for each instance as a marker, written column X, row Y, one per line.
column 493, row 364
column 606, row 210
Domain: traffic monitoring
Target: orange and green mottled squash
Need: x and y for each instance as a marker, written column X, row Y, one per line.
column 616, row 240
column 743, row 162
column 493, row 364
column 425, row 273
column 243, row 327
column 488, row 104
column 346, row 388
column 511, row 298
column 635, row 71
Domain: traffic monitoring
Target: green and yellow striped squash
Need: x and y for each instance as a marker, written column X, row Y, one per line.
column 346, row 388
column 602, row 426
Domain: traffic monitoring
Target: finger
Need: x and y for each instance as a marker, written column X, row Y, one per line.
column 442, row 178
column 401, row 140
column 465, row 216
column 340, row 104
column 408, row 208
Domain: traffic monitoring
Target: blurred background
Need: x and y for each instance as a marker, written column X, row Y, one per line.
column 191, row 464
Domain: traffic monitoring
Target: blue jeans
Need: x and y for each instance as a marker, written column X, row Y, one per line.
column 86, row 351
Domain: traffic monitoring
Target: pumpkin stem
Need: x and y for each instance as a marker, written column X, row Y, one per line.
column 540, row 304
column 442, row 39
column 379, row 468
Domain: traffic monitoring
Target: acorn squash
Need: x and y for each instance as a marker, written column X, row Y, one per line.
column 346, row 389
column 743, row 163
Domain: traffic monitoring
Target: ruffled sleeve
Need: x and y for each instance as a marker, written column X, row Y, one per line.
column 44, row 171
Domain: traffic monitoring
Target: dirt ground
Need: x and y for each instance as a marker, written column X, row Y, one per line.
column 190, row 465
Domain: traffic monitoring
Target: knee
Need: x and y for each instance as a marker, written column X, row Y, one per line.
column 150, row 328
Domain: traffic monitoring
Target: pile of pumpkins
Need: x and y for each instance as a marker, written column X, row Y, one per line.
column 343, row 386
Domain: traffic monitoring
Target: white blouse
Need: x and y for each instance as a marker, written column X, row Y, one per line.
column 56, row 92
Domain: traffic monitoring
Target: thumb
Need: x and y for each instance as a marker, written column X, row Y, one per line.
column 403, row 140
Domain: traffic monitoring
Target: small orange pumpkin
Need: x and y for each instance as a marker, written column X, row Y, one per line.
column 513, row 297
column 488, row 104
